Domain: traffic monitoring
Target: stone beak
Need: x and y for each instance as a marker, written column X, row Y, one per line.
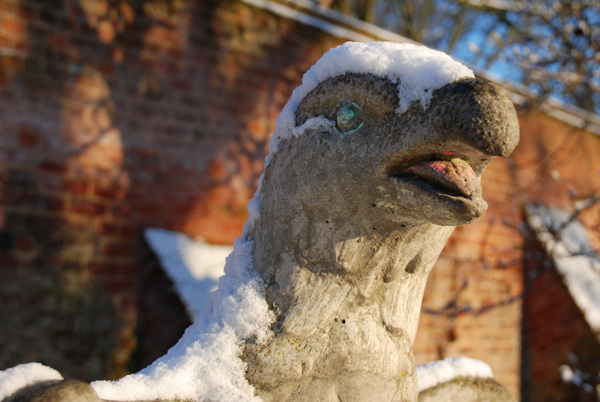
column 467, row 124
column 477, row 113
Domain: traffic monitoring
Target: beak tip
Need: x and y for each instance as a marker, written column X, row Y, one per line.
column 482, row 115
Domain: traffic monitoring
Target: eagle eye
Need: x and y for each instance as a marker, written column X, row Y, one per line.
column 348, row 118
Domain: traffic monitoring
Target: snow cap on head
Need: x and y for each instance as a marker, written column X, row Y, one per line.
column 418, row 70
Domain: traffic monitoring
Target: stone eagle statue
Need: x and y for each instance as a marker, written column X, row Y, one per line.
column 356, row 207
column 376, row 158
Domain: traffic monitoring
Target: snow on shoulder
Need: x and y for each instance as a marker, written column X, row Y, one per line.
column 437, row 372
column 418, row 70
column 23, row 375
column 205, row 363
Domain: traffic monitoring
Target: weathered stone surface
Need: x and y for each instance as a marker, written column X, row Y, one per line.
column 353, row 217
column 467, row 389
column 64, row 391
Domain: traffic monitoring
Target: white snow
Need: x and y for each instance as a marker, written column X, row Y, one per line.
column 573, row 256
column 418, row 71
column 311, row 124
column 437, row 372
column 193, row 265
column 23, row 375
column 205, row 364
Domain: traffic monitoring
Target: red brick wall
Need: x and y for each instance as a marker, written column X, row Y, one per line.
column 119, row 116
column 115, row 117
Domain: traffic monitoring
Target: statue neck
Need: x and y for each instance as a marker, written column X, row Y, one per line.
column 299, row 254
column 346, row 289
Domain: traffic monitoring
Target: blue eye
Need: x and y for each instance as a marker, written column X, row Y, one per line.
column 348, row 118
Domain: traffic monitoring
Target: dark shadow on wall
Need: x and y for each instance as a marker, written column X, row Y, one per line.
column 52, row 308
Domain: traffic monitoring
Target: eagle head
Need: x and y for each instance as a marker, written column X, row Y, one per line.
column 391, row 135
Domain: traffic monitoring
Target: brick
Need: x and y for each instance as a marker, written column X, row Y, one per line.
column 110, row 229
column 79, row 187
column 14, row 26
column 33, row 201
column 53, row 166
column 107, row 69
column 121, row 249
column 28, row 137
column 86, row 207
column 110, row 193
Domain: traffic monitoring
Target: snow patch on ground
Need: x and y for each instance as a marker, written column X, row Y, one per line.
column 23, row 375
column 573, row 256
column 434, row 373
column 193, row 265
